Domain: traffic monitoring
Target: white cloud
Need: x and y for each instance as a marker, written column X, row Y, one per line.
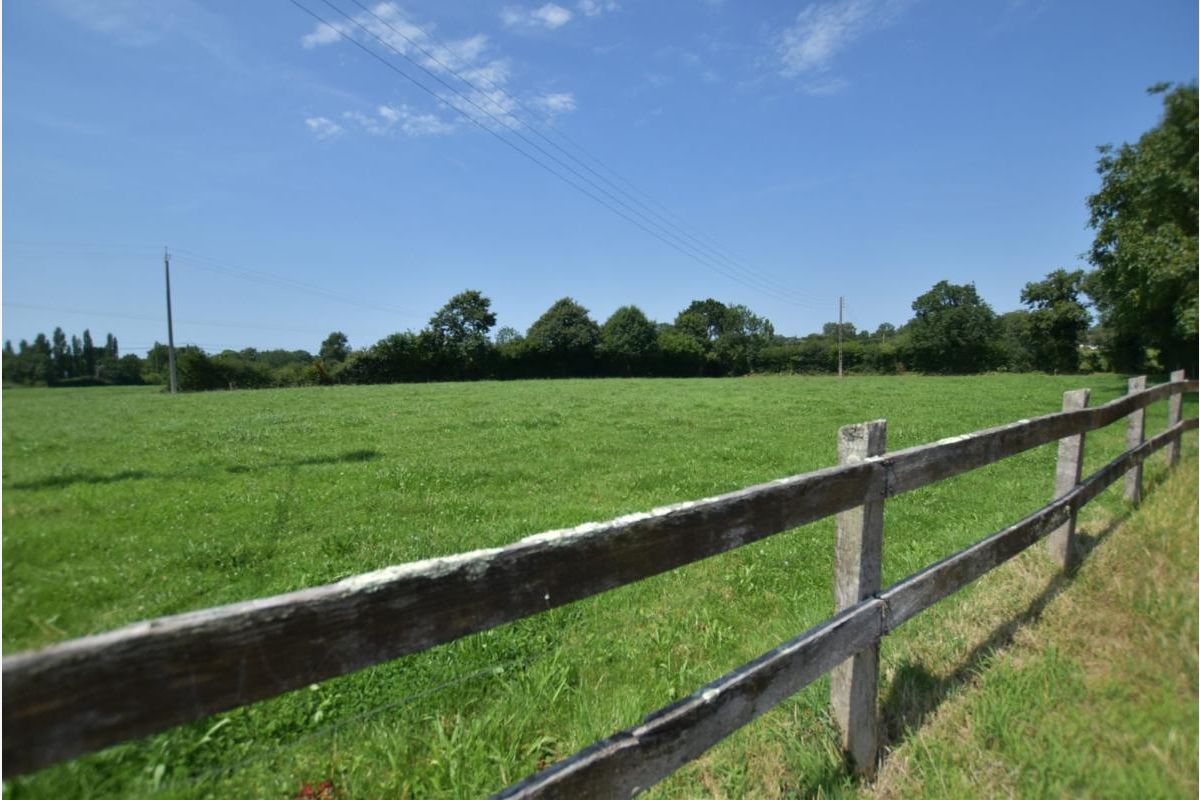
column 324, row 34
column 555, row 103
column 323, row 127
column 594, row 8
column 550, row 15
column 136, row 23
column 819, row 32
column 488, row 100
column 398, row 119
column 822, row 30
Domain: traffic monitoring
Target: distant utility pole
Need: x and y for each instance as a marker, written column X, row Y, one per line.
column 170, row 327
column 841, row 308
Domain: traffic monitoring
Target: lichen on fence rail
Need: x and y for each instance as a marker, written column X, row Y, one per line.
column 88, row 693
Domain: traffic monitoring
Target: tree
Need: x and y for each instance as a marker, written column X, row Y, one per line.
column 743, row 336
column 830, row 329
column 1057, row 321
column 679, row 354
column 564, row 339
column 459, row 331
column 731, row 337
column 335, row 348
column 507, row 335
column 1145, row 251
column 704, row 321
column 1014, row 341
column 89, row 354
column 59, row 354
column 953, row 330
column 628, row 341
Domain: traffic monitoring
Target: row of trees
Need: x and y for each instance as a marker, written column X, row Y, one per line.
column 55, row 360
column 1143, row 287
column 953, row 331
column 707, row 338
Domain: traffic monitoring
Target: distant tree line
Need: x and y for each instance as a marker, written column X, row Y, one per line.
column 1143, row 287
column 57, row 361
column 953, row 331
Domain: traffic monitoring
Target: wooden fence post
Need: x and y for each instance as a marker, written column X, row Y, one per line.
column 1174, row 415
column 857, row 573
column 1066, row 478
column 1135, row 436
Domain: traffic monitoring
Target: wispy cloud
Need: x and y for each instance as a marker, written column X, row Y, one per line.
column 488, row 99
column 807, row 48
column 399, row 119
column 594, row 8
column 134, row 23
column 550, row 15
column 555, row 103
column 323, row 127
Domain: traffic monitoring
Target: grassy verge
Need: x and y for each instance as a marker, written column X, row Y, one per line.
column 1086, row 689
column 123, row 504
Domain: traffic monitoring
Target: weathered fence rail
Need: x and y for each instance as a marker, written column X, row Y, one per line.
column 88, row 693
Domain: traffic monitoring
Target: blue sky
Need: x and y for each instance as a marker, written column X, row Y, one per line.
column 865, row 148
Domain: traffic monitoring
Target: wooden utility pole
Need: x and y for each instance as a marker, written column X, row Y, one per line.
column 170, row 327
column 841, row 308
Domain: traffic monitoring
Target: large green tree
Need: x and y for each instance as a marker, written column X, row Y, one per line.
column 1057, row 320
column 743, row 337
column 1145, row 250
column 953, row 330
column 459, row 331
column 628, row 342
column 731, row 337
column 704, row 321
column 335, row 348
column 563, row 340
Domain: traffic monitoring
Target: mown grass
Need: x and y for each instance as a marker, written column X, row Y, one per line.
column 1088, row 688
column 123, row 504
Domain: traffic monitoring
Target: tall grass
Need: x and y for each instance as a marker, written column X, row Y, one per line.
column 1087, row 688
column 123, row 504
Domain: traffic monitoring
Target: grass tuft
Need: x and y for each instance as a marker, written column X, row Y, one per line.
column 122, row 504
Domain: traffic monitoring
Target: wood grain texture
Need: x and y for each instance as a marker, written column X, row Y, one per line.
column 919, row 591
column 857, row 573
column 920, row 466
column 636, row 758
column 1134, row 436
column 88, row 693
column 1174, row 414
column 1068, row 469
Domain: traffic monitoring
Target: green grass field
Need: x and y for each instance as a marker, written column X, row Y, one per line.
column 1090, row 688
column 123, row 504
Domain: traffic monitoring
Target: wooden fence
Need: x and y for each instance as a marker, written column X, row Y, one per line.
column 85, row 694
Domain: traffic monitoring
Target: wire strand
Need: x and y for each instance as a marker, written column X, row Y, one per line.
column 507, row 114
column 634, row 220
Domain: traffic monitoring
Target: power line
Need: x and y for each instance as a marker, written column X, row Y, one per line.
column 202, row 262
column 646, row 212
column 639, row 219
column 636, row 220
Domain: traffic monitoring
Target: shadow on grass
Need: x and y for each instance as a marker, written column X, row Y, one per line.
column 59, row 481
column 915, row 693
column 351, row 457
column 72, row 478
